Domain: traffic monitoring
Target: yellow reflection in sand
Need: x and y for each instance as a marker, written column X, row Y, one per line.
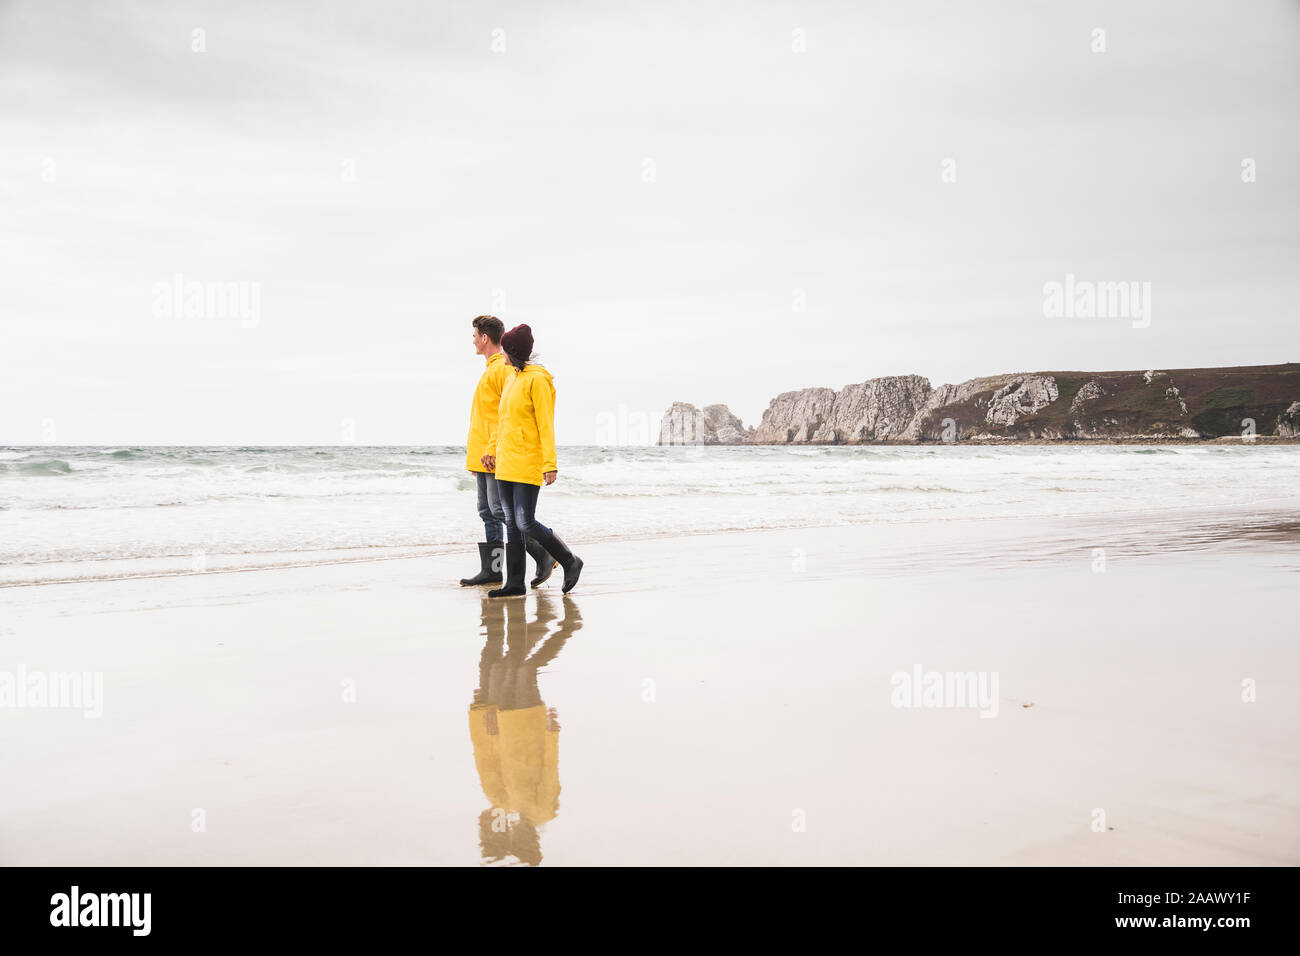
column 516, row 737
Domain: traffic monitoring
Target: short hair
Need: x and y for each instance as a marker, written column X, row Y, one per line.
column 490, row 326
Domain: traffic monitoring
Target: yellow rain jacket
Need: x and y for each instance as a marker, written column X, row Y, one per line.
column 484, row 734
column 524, row 440
column 518, row 759
column 483, row 411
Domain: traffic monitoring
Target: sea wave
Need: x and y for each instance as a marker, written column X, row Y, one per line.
column 36, row 469
column 136, row 502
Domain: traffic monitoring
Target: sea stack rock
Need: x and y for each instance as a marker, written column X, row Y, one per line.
column 684, row 424
column 721, row 427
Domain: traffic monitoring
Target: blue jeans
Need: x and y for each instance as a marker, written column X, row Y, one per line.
column 520, row 503
column 489, row 506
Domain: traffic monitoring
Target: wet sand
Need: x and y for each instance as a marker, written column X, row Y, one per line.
column 713, row 699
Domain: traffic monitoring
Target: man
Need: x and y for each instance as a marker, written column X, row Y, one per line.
column 482, row 426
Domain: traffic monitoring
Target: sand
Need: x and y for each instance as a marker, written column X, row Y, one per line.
column 713, row 699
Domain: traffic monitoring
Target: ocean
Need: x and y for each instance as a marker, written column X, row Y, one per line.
column 80, row 512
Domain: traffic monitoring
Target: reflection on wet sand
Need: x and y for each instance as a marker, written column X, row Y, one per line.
column 516, row 737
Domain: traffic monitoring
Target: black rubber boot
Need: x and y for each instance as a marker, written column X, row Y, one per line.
column 571, row 563
column 545, row 563
column 515, row 567
column 490, row 556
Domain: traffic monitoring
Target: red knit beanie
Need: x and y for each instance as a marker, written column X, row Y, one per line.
column 518, row 344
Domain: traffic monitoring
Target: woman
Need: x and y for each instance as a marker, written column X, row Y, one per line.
column 524, row 439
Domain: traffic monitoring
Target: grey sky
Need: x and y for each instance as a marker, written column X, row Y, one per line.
column 384, row 175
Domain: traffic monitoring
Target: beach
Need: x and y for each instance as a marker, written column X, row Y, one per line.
column 718, row 698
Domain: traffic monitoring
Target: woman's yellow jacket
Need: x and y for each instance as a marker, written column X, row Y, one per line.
column 524, row 439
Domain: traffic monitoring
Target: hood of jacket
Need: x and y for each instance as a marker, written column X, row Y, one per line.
column 535, row 368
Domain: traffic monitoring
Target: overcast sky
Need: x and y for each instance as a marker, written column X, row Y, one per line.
column 657, row 188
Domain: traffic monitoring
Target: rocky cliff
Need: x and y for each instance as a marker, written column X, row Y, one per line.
column 875, row 410
column 1150, row 404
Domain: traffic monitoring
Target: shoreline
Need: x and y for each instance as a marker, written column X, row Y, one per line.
column 149, row 569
